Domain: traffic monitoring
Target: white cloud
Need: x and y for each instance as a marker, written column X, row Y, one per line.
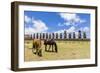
column 60, row 31
column 38, row 26
column 86, row 29
column 71, row 18
column 67, row 16
column 29, row 30
column 71, row 29
column 67, row 23
column 27, row 19
column 59, row 24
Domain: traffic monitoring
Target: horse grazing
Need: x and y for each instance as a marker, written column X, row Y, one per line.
column 52, row 43
column 37, row 46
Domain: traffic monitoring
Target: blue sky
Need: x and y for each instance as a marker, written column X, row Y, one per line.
column 56, row 22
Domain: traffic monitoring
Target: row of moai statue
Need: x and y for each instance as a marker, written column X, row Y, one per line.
column 63, row 35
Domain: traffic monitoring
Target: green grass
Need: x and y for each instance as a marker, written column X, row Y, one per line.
column 67, row 50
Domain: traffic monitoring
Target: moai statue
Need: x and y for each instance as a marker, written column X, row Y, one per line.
column 53, row 35
column 37, row 36
column 65, row 34
column 56, row 35
column 49, row 36
column 84, row 35
column 79, row 34
column 43, row 35
column 69, row 35
column 34, row 36
column 46, row 35
column 40, row 35
column 74, row 36
column 60, row 35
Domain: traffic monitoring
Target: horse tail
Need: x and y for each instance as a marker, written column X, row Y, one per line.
column 56, row 49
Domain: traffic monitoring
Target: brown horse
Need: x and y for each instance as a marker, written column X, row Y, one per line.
column 37, row 46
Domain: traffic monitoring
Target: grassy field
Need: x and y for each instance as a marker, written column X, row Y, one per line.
column 66, row 50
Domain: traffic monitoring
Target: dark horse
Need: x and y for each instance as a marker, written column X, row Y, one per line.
column 52, row 43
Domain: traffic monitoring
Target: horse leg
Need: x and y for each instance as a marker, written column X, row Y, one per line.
column 40, row 53
column 56, row 49
column 32, row 50
column 49, row 47
column 52, row 48
column 36, row 51
column 45, row 47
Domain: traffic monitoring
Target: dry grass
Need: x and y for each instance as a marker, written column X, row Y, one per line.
column 66, row 50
